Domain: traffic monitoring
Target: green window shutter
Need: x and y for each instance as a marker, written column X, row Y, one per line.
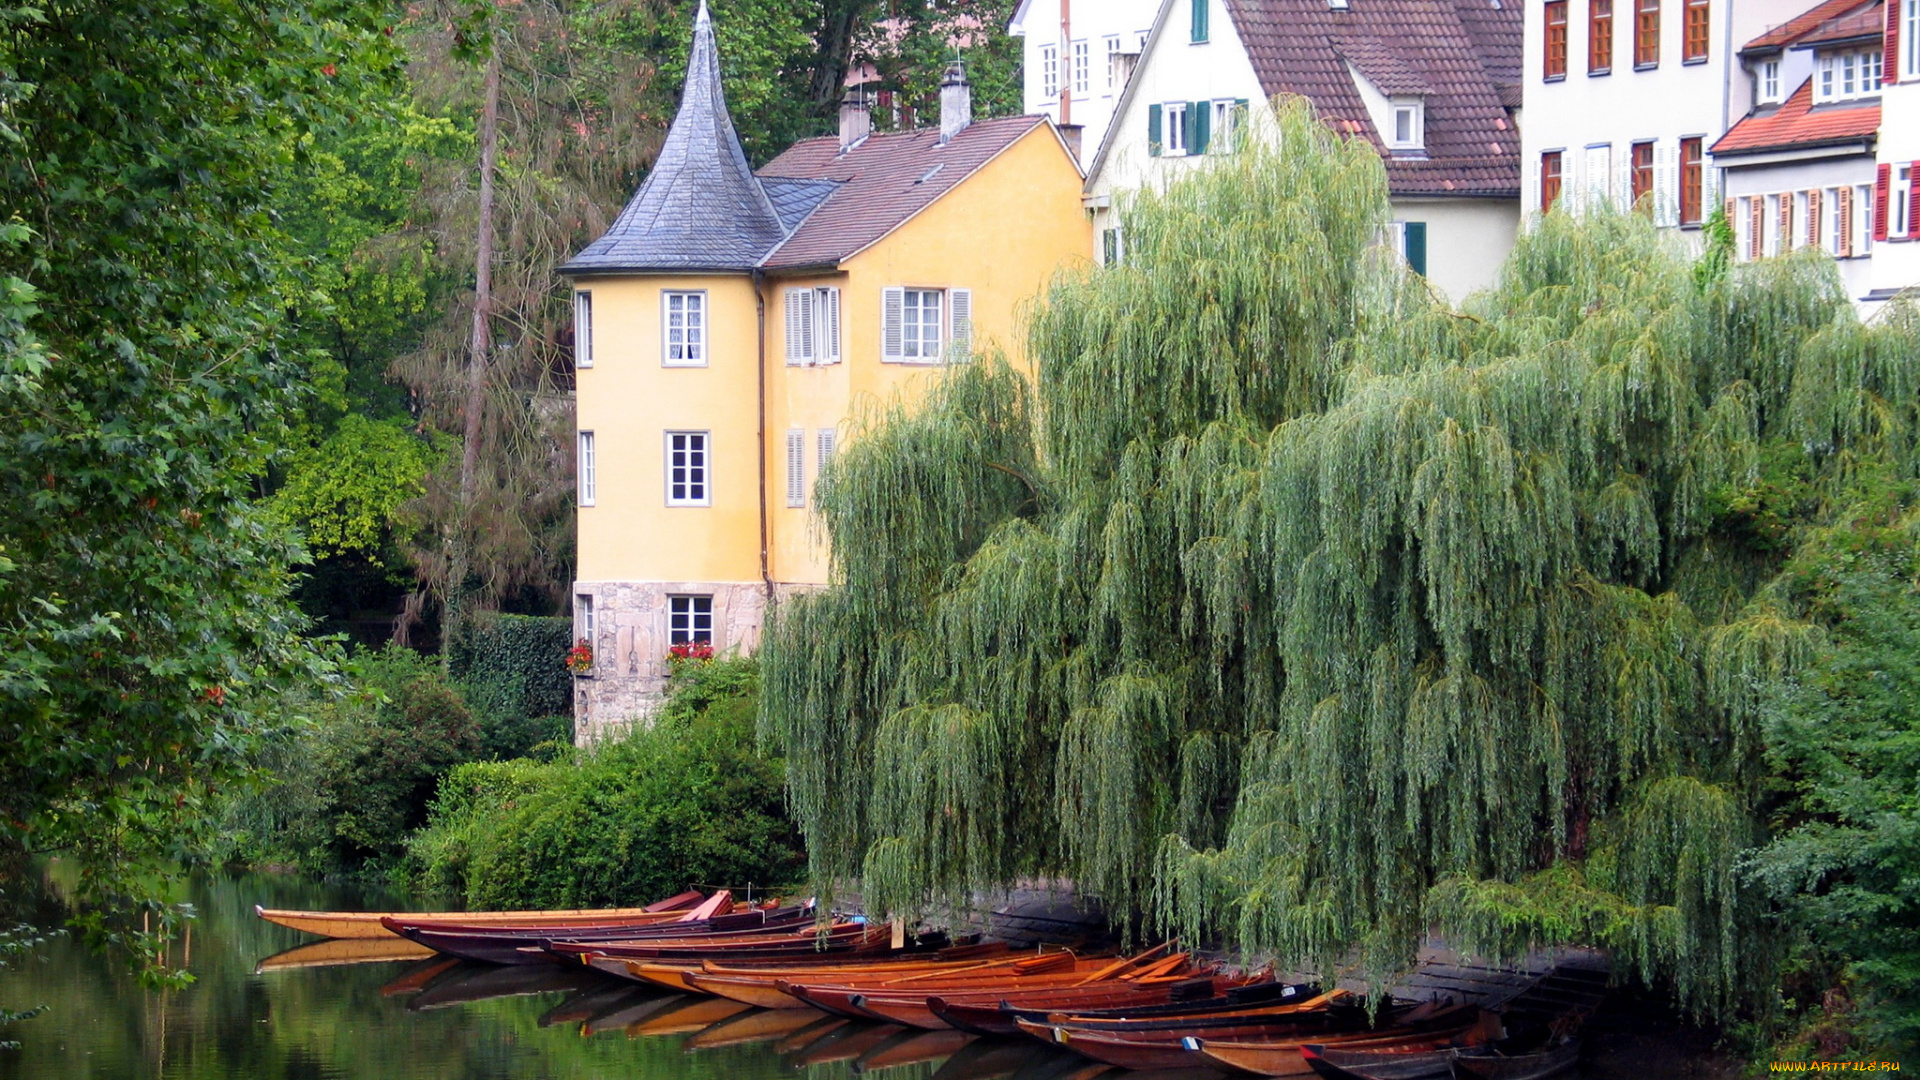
column 1110, row 246
column 1153, row 130
column 1199, row 125
column 1417, row 246
column 1199, row 20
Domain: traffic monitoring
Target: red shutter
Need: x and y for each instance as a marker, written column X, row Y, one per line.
column 1891, row 73
column 1913, row 206
column 1882, row 189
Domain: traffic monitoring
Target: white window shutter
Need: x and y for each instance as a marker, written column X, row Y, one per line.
column 960, row 331
column 1667, row 171
column 797, row 299
column 823, row 448
column 1532, row 201
column 796, row 467
column 892, row 300
column 828, row 325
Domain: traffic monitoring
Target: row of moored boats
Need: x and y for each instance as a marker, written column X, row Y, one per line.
column 1156, row 1009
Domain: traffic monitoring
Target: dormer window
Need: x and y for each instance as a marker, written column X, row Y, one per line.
column 1770, row 82
column 1409, row 130
column 1846, row 75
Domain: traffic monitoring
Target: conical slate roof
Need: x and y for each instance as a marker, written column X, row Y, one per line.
column 701, row 208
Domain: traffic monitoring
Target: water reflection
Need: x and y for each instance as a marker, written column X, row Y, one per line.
column 272, row 1004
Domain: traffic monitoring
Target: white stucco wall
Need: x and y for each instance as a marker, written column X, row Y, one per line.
column 1099, row 23
column 1675, row 100
column 1896, row 264
column 1467, row 240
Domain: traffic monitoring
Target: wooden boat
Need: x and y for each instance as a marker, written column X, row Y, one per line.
column 1403, row 1063
column 336, row 951
column 1108, row 986
column 993, row 1015
column 529, row 945
column 367, row 924
column 758, row 985
column 917, row 1049
column 751, row 1026
column 1160, row 1043
column 911, row 991
column 1285, row 1054
column 1498, row 1066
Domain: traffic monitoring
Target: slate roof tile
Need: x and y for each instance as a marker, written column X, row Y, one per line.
column 1463, row 51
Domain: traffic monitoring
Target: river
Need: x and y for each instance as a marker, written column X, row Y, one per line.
column 420, row 1020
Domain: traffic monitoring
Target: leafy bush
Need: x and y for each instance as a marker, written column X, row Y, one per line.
column 689, row 799
column 347, row 789
column 512, row 669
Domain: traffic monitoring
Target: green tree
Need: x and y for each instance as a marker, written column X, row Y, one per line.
column 1290, row 605
column 146, row 384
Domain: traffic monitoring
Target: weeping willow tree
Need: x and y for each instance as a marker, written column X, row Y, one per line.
column 1291, row 606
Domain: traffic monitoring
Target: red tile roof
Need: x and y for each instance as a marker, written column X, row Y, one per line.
column 1797, row 124
column 883, row 182
column 1806, row 23
column 1460, row 52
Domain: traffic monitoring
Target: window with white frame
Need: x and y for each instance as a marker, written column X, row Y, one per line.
column 683, row 322
column 1835, row 227
column 1770, row 82
column 813, row 325
column 1860, row 226
column 1901, row 198
column 1228, row 115
column 688, row 470
column 689, row 620
column 1770, row 225
column 1173, row 120
column 583, row 608
column 1851, row 74
column 583, row 329
column 1050, row 71
column 1909, row 38
column 1111, row 50
column 925, row 326
column 584, row 469
column 1082, row 67
column 1409, row 125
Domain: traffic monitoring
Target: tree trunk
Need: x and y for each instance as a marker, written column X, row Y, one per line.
column 835, row 52
column 482, row 344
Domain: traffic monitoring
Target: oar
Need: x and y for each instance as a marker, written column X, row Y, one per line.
column 1122, row 965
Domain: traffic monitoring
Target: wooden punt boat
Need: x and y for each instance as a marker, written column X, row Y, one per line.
column 921, row 1047
column 1497, row 1066
column 783, row 938
column 367, row 924
column 523, row 945
column 993, row 1015
column 758, row 985
column 912, row 991
column 751, row 1026
column 334, row 952
column 1411, row 1062
column 1107, row 985
column 1285, row 1054
column 1164, row 1043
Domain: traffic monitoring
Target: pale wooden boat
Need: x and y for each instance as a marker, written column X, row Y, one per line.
column 366, row 924
column 334, row 953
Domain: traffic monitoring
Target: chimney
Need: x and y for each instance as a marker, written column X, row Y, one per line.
column 856, row 118
column 1070, row 134
column 956, row 101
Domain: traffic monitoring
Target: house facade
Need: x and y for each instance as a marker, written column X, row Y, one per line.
column 1433, row 84
column 729, row 323
column 1895, row 265
column 1077, row 58
column 1625, row 98
column 1800, row 167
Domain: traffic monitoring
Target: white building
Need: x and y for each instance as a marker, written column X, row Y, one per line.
column 1077, row 58
column 1432, row 83
column 1799, row 167
column 1625, row 98
column 1896, row 263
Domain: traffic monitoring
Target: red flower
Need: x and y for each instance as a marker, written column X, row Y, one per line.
column 580, row 657
column 215, row 695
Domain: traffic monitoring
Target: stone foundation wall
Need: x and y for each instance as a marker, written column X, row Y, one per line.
column 629, row 675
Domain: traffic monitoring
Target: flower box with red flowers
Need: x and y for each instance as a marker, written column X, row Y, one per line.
column 690, row 650
column 580, row 657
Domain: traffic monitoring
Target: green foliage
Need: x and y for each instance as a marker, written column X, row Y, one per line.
column 512, row 672
column 1291, row 606
column 147, row 632
column 345, row 494
column 1844, row 739
column 350, row 786
column 688, row 799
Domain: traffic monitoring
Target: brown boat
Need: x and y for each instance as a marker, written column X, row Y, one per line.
column 755, row 984
column 764, row 987
column 366, row 924
column 1109, row 986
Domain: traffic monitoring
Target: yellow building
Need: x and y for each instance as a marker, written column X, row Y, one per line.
column 729, row 322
